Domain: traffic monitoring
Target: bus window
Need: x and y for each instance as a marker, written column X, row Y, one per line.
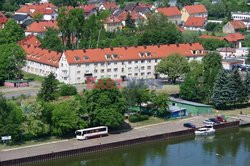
column 79, row 133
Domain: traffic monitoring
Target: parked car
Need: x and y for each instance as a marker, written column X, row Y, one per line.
column 189, row 125
column 220, row 119
column 208, row 122
column 214, row 120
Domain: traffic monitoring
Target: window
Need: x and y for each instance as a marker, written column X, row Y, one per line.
column 149, row 61
column 129, row 62
column 95, row 71
column 102, row 71
column 115, row 76
column 115, row 69
column 102, row 64
column 142, row 61
column 142, row 68
column 78, row 78
column 136, row 74
column 149, row 73
column 136, row 61
column 149, row 67
column 108, row 70
column 87, row 65
column 62, row 64
column 78, row 65
column 122, row 69
column 78, row 72
column 142, row 74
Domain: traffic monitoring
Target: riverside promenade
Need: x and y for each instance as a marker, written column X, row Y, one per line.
column 74, row 147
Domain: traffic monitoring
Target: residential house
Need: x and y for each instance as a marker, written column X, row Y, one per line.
column 97, row 3
column 235, row 39
column 227, row 52
column 172, row 3
column 193, row 11
column 39, row 28
column 137, row 18
column 89, row 10
column 30, row 40
column 21, row 18
column 3, row 20
column 234, row 26
column 195, row 23
column 112, row 23
column 108, row 6
column 172, row 13
column 141, row 8
column 230, row 64
column 48, row 10
column 78, row 66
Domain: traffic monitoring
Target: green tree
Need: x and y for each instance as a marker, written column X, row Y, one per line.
column 174, row 66
column 212, row 44
column 51, row 41
column 221, row 95
column 191, row 37
column 247, row 85
column 12, row 59
column 248, row 57
column 211, row 67
column 129, row 22
column 34, row 124
column 38, row 17
column 159, row 30
column 66, row 118
column 192, row 87
column 104, row 95
column 67, row 90
column 12, row 33
column 49, row 88
column 160, row 104
column 10, row 120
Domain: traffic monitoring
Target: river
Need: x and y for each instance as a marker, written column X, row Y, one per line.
column 227, row 148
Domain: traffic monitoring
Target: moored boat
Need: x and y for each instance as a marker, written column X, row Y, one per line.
column 204, row 131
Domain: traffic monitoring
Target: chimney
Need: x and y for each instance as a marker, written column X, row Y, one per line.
column 177, row 45
column 190, row 44
column 84, row 50
column 49, row 51
column 158, row 45
column 111, row 48
column 126, row 47
column 145, row 47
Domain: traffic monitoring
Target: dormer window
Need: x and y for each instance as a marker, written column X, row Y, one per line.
column 77, row 58
column 148, row 54
column 142, row 54
column 108, row 56
column 115, row 56
column 85, row 57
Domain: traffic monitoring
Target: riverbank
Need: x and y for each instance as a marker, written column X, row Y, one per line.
column 73, row 147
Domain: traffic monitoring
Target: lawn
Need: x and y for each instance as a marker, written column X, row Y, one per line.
column 232, row 112
column 32, row 77
column 30, row 143
column 150, row 121
column 169, row 89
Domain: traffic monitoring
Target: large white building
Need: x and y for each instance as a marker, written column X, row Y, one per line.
column 240, row 15
column 77, row 66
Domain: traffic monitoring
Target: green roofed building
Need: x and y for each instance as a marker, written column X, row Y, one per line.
column 192, row 108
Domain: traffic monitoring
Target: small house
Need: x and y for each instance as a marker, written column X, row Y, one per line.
column 234, row 26
column 192, row 108
column 195, row 24
column 193, row 11
column 16, row 83
column 172, row 13
column 176, row 112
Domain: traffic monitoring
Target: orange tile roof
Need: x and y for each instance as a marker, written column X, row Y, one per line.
column 134, row 15
column 195, row 22
column 43, row 8
column 181, row 29
column 131, row 53
column 195, row 9
column 41, row 26
column 42, row 56
column 30, row 40
column 87, row 8
column 110, row 5
column 203, row 36
column 237, row 24
column 169, row 11
column 234, row 37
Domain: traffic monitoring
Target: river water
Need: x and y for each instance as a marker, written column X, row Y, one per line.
column 227, row 148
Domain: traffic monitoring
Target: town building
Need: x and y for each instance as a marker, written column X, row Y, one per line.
column 48, row 10
column 108, row 6
column 230, row 64
column 192, row 108
column 3, row 20
column 78, row 66
column 240, row 15
column 195, row 23
column 89, row 10
column 172, row 13
column 112, row 24
column 193, row 11
column 39, row 28
column 136, row 17
column 141, row 8
column 227, row 52
column 235, row 39
column 234, row 26
column 21, row 18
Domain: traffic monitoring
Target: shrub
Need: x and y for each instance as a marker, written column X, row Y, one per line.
column 67, row 90
column 137, row 118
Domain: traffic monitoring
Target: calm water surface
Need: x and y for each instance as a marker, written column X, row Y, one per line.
column 228, row 148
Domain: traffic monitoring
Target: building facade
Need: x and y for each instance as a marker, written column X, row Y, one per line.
column 78, row 66
column 194, row 11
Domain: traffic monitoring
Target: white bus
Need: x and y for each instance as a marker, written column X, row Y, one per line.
column 91, row 132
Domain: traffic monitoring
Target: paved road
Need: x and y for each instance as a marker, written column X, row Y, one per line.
column 35, row 150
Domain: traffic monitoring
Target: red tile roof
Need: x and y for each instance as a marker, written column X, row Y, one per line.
column 203, row 36
column 110, row 5
column 181, row 29
column 41, row 26
column 169, row 11
column 112, row 19
column 237, row 24
column 234, row 37
column 42, row 56
column 132, row 53
column 87, row 8
column 134, row 15
column 195, row 9
column 30, row 40
column 43, row 8
column 3, row 19
column 195, row 22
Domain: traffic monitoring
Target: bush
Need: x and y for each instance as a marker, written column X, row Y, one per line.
column 137, row 118
column 67, row 90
